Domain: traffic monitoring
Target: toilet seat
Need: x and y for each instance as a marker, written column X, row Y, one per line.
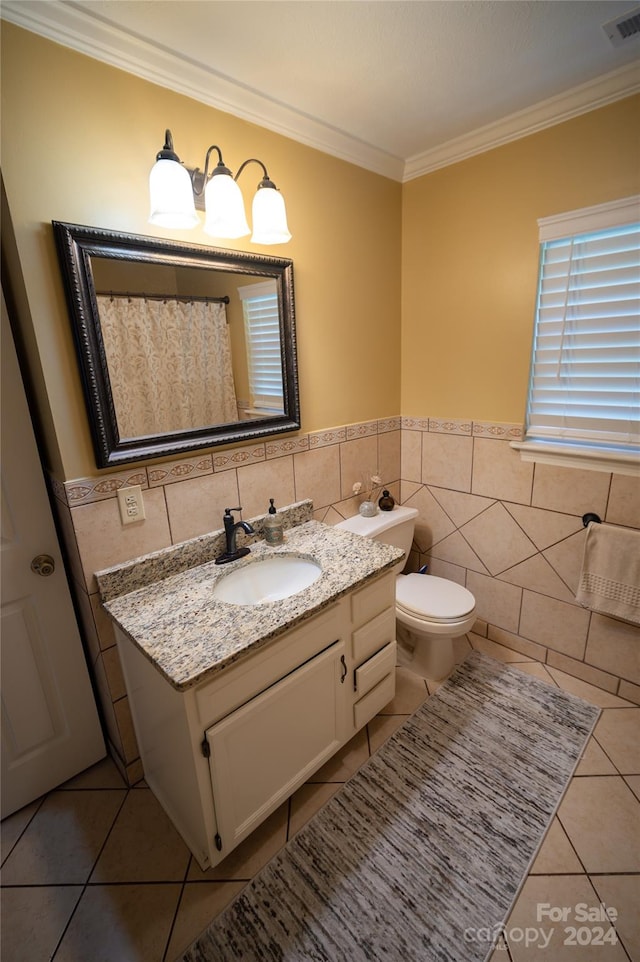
column 433, row 599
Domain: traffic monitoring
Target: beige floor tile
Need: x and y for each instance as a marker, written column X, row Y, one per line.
column 618, row 732
column 114, row 923
column 597, row 696
column 411, row 692
column 548, row 938
column 14, row 825
column 594, row 761
column 143, row 845
column 556, row 856
column 345, row 762
column 601, row 816
column 535, row 669
column 104, row 774
column 308, row 800
column 633, row 781
column 63, row 839
column 382, row 727
column 622, row 892
column 33, row 920
column 201, row 902
column 251, row 855
column 500, row 953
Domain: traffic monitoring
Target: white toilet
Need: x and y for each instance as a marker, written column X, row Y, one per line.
column 430, row 612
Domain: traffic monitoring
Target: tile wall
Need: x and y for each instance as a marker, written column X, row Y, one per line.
column 510, row 531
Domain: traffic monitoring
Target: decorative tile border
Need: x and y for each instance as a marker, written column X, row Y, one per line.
column 238, row 458
column 87, row 490
column 389, row 424
column 173, row 471
column 449, row 426
column 500, row 431
column 284, row 446
column 320, row 439
column 415, row 424
column 364, row 429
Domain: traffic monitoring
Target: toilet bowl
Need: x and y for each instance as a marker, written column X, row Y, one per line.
column 431, row 612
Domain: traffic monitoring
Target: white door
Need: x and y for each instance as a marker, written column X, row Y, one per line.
column 50, row 726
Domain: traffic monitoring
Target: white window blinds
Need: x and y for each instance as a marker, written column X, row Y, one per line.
column 264, row 357
column 585, row 376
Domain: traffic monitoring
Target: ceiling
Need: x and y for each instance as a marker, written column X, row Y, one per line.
column 397, row 86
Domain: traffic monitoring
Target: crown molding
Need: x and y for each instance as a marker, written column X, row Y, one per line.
column 579, row 100
column 74, row 27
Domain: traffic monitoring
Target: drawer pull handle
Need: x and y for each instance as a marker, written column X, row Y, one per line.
column 344, row 669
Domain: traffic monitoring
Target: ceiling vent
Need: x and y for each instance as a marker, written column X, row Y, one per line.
column 624, row 28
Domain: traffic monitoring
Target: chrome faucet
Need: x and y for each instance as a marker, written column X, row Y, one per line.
column 231, row 530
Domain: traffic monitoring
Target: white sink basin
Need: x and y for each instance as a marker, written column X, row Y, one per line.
column 271, row 579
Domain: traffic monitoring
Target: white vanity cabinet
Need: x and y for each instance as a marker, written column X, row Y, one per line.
column 222, row 755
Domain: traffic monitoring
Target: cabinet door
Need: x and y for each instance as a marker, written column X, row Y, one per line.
column 264, row 750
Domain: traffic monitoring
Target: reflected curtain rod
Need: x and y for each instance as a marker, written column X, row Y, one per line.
column 164, row 297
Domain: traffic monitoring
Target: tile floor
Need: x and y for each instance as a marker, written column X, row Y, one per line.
column 95, row 872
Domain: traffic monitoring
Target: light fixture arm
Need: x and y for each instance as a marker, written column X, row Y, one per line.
column 266, row 181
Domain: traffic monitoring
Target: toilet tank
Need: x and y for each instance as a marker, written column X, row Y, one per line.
column 389, row 527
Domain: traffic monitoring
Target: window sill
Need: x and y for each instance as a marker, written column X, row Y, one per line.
column 579, row 456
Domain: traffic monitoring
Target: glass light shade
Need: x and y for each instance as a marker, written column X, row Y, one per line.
column 171, row 196
column 225, row 216
column 269, row 217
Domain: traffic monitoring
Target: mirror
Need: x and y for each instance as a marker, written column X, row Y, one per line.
column 180, row 347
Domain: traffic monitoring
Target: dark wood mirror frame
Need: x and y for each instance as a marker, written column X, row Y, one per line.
column 76, row 246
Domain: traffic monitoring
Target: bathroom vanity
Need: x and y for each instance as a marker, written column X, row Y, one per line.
column 235, row 706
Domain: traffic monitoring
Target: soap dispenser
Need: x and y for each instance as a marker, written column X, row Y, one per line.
column 273, row 526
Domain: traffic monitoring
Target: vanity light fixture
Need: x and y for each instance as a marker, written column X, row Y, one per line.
column 174, row 190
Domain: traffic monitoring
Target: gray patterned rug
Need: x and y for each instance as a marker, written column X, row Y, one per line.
column 425, row 848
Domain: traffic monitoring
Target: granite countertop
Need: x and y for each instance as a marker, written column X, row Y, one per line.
column 190, row 636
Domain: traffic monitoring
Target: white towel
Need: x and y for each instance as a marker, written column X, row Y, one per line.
column 610, row 577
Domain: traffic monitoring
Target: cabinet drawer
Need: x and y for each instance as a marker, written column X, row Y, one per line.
column 238, row 683
column 377, row 698
column 369, row 674
column 372, row 636
column 370, row 601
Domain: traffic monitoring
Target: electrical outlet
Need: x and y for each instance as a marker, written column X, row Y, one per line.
column 131, row 504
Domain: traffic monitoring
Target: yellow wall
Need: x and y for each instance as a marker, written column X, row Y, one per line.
column 79, row 138
column 78, row 141
column 470, row 258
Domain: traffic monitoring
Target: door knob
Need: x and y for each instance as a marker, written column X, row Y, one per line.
column 43, row 564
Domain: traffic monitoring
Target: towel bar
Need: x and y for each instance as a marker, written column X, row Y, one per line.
column 590, row 516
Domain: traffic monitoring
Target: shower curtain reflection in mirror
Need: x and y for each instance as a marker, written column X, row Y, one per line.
column 169, row 363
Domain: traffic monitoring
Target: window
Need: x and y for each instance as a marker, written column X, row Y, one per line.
column 584, row 392
column 264, row 358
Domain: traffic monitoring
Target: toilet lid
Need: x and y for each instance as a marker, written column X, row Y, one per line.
column 426, row 596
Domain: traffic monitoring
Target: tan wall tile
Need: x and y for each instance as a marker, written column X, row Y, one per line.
column 554, row 624
column 358, row 461
column 572, row 490
column 446, row 461
column 104, row 541
column 498, row 541
column 624, row 501
column 197, row 506
column 614, row 646
column 259, row 482
column 389, row 457
column 411, row 456
column 579, row 670
column 498, row 472
column 317, row 474
column 497, row 603
column 523, row 645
